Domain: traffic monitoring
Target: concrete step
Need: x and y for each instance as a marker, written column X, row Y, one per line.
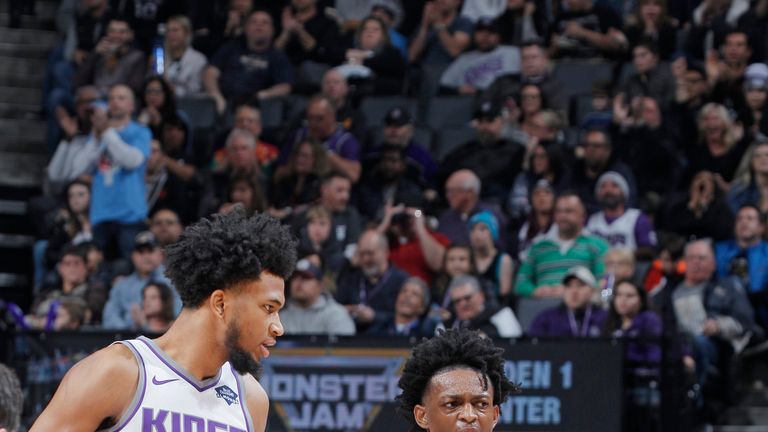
column 20, row 95
column 12, row 66
column 16, row 241
column 28, row 36
column 22, row 130
column 747, row 416
column 28, row 111
column 28, row 81
column 22, row 169
column 25, row 144
column 13, row 207
column 34, row 50
column 740, row 429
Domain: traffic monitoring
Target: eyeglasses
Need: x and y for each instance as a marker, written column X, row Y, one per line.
column 458, row 300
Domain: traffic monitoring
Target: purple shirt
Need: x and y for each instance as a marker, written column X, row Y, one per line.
column 645, row 324
column 340, row 142
column 559, row 321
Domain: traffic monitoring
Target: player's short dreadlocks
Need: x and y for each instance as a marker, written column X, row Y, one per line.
column 452, row 349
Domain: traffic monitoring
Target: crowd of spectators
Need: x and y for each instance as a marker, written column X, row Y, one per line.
column 635, row 210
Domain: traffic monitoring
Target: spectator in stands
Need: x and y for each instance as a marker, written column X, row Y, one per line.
column 750, row 183
column 299, row 185
column 90, row 26
column 116, row 157
column 413, row 247
column 710, row 25
column 245, row 189
column 475, row 10
column 334, row 197
column 744, row 255
column 756, row 96
column 530, row 103
column 723, row 142
column 343, row 148
column 458, row 260
column 387, row 182
column 617, row 223
column 369, row 289
column 701, row 212
column 247, row 118
column 474, row 71
column 169, row 179
column 725, row 73
column 646, row 146
column 72, row 223
column 71, row 314
column 217, row 22
column 577, row 316
column 373, row 63
column 390, row 12
column 651, row 22
column 472, row 312
column 714, row 314
column 183, row 68
column 308, row 34
column 410, row 307
column 535, row 68
column 318, row 238
column 147, row 259
column 691, row 93
column 310, row 309
column 493, row 265
column 398, row 131
column 336, row 88
column 113, row 60
column 349, row 14
column 545, row 162
column 462, row 191
column 755, row 22
column 72, row 283
column 155, row 313
column 159, row 106
column 74, row 131
column 540, row 275
column 249, row 68
column 650, row 79
column 539, row 222
column 598, row 159
column 522, row 21
column 442, row 36
column 166, row 227
column 587, row 29
column 630, row 317
column 494, row 159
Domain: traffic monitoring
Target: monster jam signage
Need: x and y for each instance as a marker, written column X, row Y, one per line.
column 353, row 389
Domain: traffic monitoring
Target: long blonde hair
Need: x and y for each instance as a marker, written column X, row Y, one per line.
column 745, row 174
column 729, row 133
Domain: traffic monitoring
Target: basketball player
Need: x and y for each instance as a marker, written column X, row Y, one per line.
column 198, row 376
column 454, row 382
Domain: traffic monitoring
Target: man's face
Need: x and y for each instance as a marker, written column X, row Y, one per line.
column 119, row 33
column 486, row 40
column 121, row 101
column 146, row 260
column 372, row 255
column 650, row 113
column 72, row 269
column 259, row 28
column 699, row 263
column 569, row 214
column 410, row 301
column 335, row 86
column 83, row 104
column 241, row 154
column 175, row 34
column 321, row 120
column 254, row 323
column 696, row 83
column 609, row 195
column 335, row 194
column 305, row 289
column 248, row 119
column 166, row 227
column 398, row 135
column 457, row 194
column 457, row 400
column 643, row 59
column 467, row 301
column 533, row 61
column 391, row 166
column 748, row 225
column 597, row 151
column 736, row 49
column 577, row 294
column 489, row 130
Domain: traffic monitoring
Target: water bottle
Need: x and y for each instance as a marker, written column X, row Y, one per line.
column 158, row 50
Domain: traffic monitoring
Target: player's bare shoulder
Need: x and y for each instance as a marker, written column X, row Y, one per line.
column 94, row 393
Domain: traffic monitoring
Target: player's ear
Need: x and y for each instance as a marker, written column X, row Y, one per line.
column 420, row 414
column 496, row 415
column 216, row 303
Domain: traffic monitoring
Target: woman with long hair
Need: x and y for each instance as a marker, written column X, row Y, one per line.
column 299, row 186
column 245, row 189
column 545, row 162
column 155, row 314
column 72, row 223
column 750, row 184
column 373, row 59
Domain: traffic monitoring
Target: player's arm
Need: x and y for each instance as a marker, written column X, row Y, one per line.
column 98, row 388
column 258, row 403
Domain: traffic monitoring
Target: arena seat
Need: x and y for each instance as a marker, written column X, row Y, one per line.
column 449, row 111
column 376, row 107
column 201, row 111
column 529, row 308
column 578, row 76
column 449, row 138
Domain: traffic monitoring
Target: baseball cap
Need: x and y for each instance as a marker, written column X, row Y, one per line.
column 581, row 273
column 487, row 110
column 144, row 240
column 304, row 267
column 756, row 76
column 398, row 116
column 488, row 24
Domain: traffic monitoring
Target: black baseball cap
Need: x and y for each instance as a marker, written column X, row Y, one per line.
column 487, row 110
column 398, row 116
column 144, row 240
column 305, row 268
column 487, row 24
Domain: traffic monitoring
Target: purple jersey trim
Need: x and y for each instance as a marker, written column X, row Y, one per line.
column 198, row 385
column 142, row 383
column 243, row 404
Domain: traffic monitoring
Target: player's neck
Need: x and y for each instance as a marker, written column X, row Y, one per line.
column 202, row 355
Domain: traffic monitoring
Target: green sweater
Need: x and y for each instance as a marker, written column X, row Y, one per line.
column 546, row 265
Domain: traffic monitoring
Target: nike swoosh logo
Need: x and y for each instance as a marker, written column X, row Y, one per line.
column 156, row 382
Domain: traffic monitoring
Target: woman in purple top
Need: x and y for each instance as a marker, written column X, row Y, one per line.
column 629, row 317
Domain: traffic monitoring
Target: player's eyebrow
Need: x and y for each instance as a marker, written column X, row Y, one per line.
column 275, row 301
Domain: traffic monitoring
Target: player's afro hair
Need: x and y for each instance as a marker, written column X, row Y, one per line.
column 225, row 250
column 448, row 350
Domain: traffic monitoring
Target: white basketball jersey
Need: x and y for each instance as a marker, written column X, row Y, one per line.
column 169, row 399
column 620, row 232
